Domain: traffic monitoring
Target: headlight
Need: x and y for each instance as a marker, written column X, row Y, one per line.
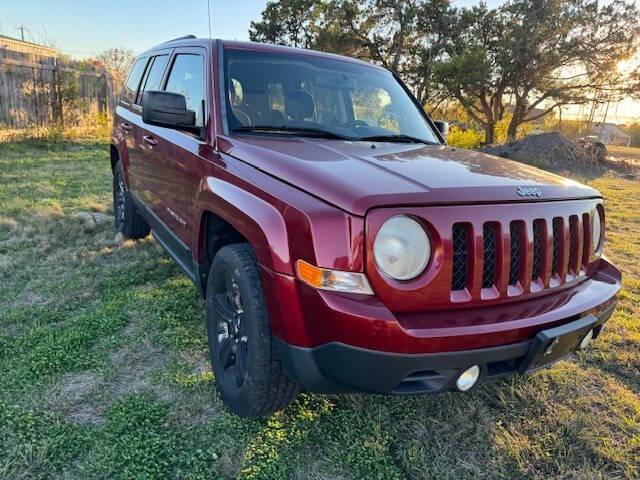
column 402, row 248
column 596, row 231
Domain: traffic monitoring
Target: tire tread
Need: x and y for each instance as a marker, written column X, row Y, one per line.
column 276, row 390
column 134, row 225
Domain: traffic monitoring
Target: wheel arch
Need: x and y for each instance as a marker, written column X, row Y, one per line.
column 226, row 213
column 114, row 156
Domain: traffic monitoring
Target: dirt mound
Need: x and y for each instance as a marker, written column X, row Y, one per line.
column 551, row 151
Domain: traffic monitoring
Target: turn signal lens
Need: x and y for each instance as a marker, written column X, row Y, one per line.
column 335, row 280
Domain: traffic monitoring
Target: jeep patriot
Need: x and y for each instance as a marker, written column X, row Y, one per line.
column 339, row 243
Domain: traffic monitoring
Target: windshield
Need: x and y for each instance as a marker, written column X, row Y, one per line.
column 307, row 95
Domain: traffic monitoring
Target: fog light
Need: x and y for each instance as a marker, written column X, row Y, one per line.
column 468, row 378
column 586, row 340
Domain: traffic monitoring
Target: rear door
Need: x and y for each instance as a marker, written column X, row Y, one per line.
column 170, row 154
column 127, row 122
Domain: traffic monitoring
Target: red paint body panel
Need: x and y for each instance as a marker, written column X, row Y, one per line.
column 356, row 178
column 324, row 200
column 433, row 286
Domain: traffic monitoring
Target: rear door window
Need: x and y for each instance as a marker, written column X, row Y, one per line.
column 133, row 80
column 153, row 79
column 187, row 78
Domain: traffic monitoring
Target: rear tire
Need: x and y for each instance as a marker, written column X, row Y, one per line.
column 127, row 220
column 251, row 380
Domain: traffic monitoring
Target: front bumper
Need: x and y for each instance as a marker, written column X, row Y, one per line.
column 340, row 368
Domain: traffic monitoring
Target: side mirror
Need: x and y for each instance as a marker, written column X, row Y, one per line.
column 168, row 109
column 443, row 128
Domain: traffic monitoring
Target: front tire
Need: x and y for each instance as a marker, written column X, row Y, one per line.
column 250, row 378
column 127, row 220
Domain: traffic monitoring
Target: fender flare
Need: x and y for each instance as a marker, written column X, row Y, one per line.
column 254, row 218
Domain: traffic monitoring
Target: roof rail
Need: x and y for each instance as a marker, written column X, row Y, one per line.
column 185, row 37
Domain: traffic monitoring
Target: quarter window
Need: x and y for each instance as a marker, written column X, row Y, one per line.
column 186, row 77
column 133, row 81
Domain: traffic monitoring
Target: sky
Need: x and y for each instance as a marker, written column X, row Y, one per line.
column 83, row 28
column 86, row 27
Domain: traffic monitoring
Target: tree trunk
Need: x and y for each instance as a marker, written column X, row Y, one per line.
column 489, row 133
column 512, row 130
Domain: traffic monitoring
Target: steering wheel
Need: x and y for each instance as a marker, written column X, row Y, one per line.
column 354, row 124
column 390, row 116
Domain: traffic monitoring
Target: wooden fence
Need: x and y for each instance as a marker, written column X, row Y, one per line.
column 43, row 90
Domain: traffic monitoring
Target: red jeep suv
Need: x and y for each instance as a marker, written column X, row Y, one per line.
column 340, row 244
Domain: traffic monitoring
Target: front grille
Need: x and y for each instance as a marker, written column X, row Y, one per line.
column 515, row 230
column 460, row 242
column 545, row 243
column 573, row 244
column 558, row 238
column 490, row 255
column 538, row 241
column 483, row 255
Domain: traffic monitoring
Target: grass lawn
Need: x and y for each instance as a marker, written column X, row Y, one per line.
column 630, row 154
column 104, row 370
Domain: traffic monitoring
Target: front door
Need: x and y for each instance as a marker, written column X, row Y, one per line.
column 170, row 154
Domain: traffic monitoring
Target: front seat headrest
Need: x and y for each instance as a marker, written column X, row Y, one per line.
column 298, row 105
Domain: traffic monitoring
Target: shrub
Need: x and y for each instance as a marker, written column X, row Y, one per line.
column 464, row 138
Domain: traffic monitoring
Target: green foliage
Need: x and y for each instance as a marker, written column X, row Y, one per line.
column 522, row 58
column 287, row 22
column 468, row 138
column 525, row 55
column 139, row 440
column 37, row 444
column 634, row 130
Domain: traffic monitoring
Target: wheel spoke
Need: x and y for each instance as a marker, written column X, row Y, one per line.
column 222, row 308
column 232, row 353
column 242, row 357
column 228, row 287
column 226, row 354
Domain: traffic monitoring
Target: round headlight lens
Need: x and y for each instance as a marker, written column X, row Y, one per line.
column 402, row 248
column 596, row 231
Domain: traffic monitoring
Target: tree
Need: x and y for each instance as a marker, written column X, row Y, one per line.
column 471, row 71
column 398, row 34
column 634, row 130
column 118, row 61
column 515, row 63
column 533, row 56
column 287, row 22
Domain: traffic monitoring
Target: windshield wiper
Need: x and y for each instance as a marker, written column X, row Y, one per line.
column 396, row 138
column 287, row 130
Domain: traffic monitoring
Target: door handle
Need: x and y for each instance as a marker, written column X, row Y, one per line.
column 126, row 126
column 148, row 139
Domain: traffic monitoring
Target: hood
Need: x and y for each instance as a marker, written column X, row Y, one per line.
column 356, row 176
